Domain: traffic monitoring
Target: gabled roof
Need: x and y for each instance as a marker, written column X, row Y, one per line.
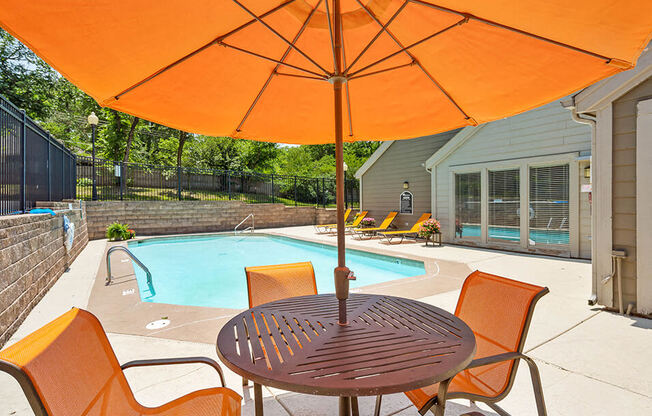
column 373, row 158
column 598, row 95
column 453, row 144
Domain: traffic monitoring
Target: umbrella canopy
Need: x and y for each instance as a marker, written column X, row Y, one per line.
column 318, row 71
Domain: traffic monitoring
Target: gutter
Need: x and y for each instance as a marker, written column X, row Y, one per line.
column 570, row 105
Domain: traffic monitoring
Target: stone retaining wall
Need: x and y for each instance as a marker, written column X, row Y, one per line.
column 183, row 217
column 32, row 258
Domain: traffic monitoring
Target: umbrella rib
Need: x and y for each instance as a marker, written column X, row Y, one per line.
column 285, row 74
column 416, row 62
column 279, row 63
column 271, row 29
column 256, row 54
column 200, row 49
column 330, row 31
column 380, row 71
column 380, row 32
column 348, row 95
column 513, row 29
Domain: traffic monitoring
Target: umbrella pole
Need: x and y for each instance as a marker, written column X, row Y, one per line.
column 341, row 272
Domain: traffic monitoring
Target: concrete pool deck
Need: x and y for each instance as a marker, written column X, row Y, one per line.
column 591, row 361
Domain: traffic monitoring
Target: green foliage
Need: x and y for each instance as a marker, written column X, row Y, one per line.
column 117, row 232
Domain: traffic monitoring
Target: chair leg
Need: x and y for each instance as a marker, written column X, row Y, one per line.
column 440, row 406
column 498, row 409
column 536, row 385
column 355, row 411
column 379, row 399
column 245, row 382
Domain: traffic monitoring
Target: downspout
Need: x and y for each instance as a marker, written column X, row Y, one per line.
column 593, row 299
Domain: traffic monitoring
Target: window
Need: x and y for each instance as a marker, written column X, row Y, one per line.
column 504, row 206
column 549, row 190
column 467, row 205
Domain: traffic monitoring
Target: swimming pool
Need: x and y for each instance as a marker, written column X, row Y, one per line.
column 537, row 236
column 209, row 270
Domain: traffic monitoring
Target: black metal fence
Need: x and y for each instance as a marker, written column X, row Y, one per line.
column 130, row 181
column 33, row 165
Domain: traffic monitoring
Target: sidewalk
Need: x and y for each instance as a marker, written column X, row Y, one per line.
column 591, row 362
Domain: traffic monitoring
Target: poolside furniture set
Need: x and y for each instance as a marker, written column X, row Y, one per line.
column 291, row 339
column 383, row 231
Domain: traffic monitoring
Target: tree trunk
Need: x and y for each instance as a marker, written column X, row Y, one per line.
column 182, row 141
column 130, row 137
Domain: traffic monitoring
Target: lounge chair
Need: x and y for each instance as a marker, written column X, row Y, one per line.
column 390, row 235
column 370, row 232
column 500, row 329
column 354, row 224
column 321, row 228
column 69, row 368
column 279, row 281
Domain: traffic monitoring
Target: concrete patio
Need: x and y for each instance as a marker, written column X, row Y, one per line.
column 591, row 361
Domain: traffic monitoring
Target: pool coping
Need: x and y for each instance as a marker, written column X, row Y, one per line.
column 121, row 310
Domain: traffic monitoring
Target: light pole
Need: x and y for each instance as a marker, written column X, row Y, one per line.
column 93, row 121
column 346, row 199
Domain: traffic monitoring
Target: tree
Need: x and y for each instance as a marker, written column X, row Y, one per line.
column 130, row 137
column 182, row 141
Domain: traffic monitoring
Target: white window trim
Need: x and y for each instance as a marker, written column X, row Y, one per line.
column 524, row 165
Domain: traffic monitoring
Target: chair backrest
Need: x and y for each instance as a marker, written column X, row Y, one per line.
column 347, row 213
column 358, row 219
column 388, row 219
column 279, row 281
column 499, row 311
column 68, row 367
column 422, row 218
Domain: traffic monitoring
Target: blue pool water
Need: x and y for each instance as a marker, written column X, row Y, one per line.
column 209, row 270
column 514, row 234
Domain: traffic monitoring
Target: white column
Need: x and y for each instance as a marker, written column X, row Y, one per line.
column 524, row 191
column 484, row 205
column 643, row 207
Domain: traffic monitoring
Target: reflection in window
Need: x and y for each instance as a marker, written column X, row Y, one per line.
column 549, row 190
column 467, row 205
column 504, row 205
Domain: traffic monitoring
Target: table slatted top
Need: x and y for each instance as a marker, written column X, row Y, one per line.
column 391, row 345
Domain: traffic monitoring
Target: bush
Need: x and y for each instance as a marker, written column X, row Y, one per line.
column 117, row 232
column 84, row 182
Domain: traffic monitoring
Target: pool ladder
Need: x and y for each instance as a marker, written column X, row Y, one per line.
column 134, row 258
column 235, row 230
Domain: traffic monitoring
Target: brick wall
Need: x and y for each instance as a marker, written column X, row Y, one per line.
column 32, row 258
column 179, row 217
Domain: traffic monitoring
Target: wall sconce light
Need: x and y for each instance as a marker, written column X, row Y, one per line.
column 406, row 185
column 587, row 172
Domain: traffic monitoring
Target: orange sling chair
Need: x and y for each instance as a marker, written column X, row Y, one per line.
column 68, row 368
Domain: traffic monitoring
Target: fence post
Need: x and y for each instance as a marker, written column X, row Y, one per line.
column 74, row 177
column 49, row 172
column 273, row 199
column 346, row 196
column 23, row 139
column 323, row 192
column 179, row 182
column 295, row 190
column 228, row 178
column 317, row 192
column 63, row 174
column 122, row 180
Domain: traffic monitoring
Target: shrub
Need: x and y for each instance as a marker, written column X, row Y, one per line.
column 429, row 227
column 117, row 232
column 84, row 182
column 368, row 222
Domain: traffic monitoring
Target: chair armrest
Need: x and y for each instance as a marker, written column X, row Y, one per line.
column 493, row 359
column 182, row 360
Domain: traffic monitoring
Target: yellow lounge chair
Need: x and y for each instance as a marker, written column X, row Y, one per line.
column 370, row 232
column 355, row 224
column 322, row 228
column 389, row 235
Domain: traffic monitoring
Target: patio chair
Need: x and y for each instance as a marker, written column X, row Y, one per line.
column 322, row 228
column 354, row 224
column 370, row 232
column 279, row 281
column 69, row 368
column 390, row 235
column 499, row 311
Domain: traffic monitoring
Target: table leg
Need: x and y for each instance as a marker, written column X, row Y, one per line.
column 440, row 407
column 354, row 406
column 345, row 406
column 258, row 399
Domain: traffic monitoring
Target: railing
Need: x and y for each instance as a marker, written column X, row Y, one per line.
column 253, row 224
column 34, row 166
column 131, row 181
column 134, row 258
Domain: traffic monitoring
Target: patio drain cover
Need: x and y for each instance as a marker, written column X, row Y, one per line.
column 161, row 323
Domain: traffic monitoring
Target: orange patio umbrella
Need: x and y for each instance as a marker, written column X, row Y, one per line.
column 322, row 71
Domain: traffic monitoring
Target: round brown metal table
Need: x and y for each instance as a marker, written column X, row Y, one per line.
column 390, row 345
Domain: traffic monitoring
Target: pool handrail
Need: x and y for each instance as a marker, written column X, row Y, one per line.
column 253, row 223
column 134, row 258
